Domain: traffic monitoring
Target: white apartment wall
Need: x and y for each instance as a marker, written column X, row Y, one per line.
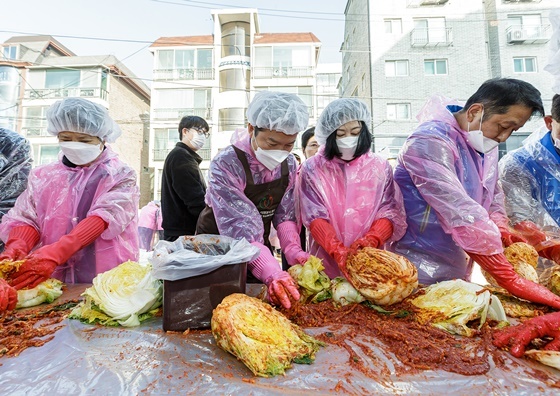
column 466, row 55
column 473, row 56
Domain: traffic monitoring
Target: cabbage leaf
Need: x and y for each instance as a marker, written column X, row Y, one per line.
column 451, row 305
column 314, row 283
column 124, row 295
column 44, row 292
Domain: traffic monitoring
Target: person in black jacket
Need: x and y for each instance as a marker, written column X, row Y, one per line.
column 182, row 186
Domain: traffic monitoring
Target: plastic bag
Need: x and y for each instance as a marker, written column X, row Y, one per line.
column 191, row 256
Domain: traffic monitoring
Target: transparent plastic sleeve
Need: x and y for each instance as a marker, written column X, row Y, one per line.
column 191, row 256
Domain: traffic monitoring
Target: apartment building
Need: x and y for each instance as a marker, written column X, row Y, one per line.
column 216, row 75
column 36, row 71
column 397, row 54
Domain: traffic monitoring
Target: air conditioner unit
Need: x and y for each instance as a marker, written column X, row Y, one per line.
column 516, row 34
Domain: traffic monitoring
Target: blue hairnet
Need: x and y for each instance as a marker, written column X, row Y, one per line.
column 83, row 116
column 278, row 111
column 338, row 113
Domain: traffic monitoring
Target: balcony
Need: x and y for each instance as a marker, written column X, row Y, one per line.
column 161, row 154
column 431, row 37
column 55, row 93
column 183, row 74
column 528, row 34
column 282, row 72
column 177, row 114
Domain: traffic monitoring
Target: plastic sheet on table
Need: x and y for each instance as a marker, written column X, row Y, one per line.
column 83, row 359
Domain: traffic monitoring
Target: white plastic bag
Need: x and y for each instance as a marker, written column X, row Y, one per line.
column 196, row 255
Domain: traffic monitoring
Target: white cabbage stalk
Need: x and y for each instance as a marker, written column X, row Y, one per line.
column 450, row 305
column 344, row 293
column 125, row 292
column 44, row 292
column 550, row 358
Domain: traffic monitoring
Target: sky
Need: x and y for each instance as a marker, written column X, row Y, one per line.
column 126, row 28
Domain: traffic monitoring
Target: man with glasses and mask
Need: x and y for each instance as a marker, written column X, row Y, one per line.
column 183, row 186
column 251, row 186
column 448, row 173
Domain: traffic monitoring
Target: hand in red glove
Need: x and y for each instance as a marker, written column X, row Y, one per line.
column 502, row 271
column 509, row 237
column 379, row 232
column 531, row 232
column 20, row 242
column 280, row 287
column 551, row 252
column 40, row 265
column 518, row 337
column 325, row 235
column 8, row 296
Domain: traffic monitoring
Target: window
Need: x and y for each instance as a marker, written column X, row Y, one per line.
column 234, row 79
column 398, row 111
column 283, row 56
column 182, row 98
column 393, row 26
column 35, row 121
column 235, row 39
column 529, row 25
column 396, row 68
column 185, row 59
column 164, row 141
column 434, row 67
column 429, row 31
column 61, row 78
column 525, row 65
column 10, row 52
column 48, row 154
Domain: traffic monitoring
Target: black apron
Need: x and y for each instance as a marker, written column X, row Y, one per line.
column 266, row 197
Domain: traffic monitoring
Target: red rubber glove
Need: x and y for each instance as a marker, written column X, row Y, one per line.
column 502, row 271
column 8, row 296
column 20, row 242
column 509, row 237
column 379, row 232
column 288, row 235
column 531, row 232
column 325, row 235
column 518, row 337
column 551, row 252
column 40, row 265
column 280, row 287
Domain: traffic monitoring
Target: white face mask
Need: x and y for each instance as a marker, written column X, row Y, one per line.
column 270, row 158
column 198, row 140
column 478, row 141
column 347, row 147
column 80, row 153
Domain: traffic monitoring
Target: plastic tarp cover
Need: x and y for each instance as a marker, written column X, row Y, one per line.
column 192, row 256
column 85, row 359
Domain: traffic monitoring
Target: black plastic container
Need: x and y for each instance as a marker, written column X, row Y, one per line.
column 188, row 303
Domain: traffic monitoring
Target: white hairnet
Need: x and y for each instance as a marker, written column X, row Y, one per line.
column 83, row 116
column 278, row 111
column 338, row 113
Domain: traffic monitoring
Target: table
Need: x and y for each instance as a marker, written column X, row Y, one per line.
column 84, row 359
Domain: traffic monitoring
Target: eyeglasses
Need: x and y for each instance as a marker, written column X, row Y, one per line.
column 201, row 131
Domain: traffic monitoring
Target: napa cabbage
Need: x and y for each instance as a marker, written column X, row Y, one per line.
column 125, row 295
